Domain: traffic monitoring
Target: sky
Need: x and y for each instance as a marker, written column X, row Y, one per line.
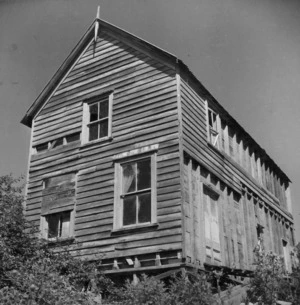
column 245, row 52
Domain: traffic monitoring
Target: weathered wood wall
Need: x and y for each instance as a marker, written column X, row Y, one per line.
column 144, row 113
column 234, row 175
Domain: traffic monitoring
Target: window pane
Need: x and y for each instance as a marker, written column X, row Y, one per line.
column 59, row 142
column 53, row 223
column 65, row 225
column 129, row 210
column 103, row 128
column 42, row 147
column 129, row 178
column 144, row 213
column 144, row 174
column 94, row 112
column 103, row 109
column 93, row 132
column 73, row 137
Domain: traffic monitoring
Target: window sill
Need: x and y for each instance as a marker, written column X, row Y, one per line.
column 61, row 241
column 95, row 142
column 133, row 229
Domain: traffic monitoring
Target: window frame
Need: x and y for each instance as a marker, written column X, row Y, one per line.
column 212, row 246
column 86, row 117
column 45, row 226
column 118, row 200
column 213, row 131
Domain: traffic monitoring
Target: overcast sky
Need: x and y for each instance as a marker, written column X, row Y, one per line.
column 246, row 53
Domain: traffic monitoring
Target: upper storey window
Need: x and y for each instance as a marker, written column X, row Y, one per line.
column 97, row 118
column 213, row 128
column 135, row 192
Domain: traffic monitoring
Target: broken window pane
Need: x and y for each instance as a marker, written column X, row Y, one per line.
column 58, row 142
column 144, row 174
column 94, row 112
column 144, row 213
column 129, row 214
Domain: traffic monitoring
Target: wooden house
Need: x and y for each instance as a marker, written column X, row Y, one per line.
column 135, row 164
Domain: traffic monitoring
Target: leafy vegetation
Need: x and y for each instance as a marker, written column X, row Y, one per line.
column 182, row 290
column 31, row 272
column 271, row 282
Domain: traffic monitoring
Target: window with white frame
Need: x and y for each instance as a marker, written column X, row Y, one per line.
column 57, row 209
column 135, row 192
column 97, row 118
column 213, row 128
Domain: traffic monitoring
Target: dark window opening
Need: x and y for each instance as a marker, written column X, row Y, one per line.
column 58, row 142
column 58, row 225
column 73, row 137
column 42, row 147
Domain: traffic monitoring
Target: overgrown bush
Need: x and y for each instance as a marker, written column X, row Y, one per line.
column 270, row 280
column 30, row 273
column 182, row 290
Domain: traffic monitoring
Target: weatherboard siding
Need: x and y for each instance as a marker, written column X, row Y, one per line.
column 144, row 113
column 237, row 221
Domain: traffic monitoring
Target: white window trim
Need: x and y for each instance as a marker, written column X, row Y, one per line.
column 86, row 120
column 210, row 130
column 118, row 204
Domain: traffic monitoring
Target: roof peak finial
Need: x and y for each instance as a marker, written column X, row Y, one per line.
column 98, row 12
column 97, row 23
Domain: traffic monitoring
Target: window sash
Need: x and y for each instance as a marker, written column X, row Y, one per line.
column 121, row 195
column 135, row 177
column 87, row 124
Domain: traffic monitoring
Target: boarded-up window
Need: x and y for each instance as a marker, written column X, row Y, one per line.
column 212, row 230
column 58, row 201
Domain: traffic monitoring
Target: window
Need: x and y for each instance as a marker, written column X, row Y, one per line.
column 211, row 220
column 59, row 142
column 41, row 148
column 57, row 210
column 97, row 113
column 135, row 193
column 213, row 128
column 58, row 225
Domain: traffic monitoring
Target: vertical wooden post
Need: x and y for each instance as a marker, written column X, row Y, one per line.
column 226, row 140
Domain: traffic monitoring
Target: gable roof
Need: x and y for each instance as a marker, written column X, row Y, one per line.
column 142, row 44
